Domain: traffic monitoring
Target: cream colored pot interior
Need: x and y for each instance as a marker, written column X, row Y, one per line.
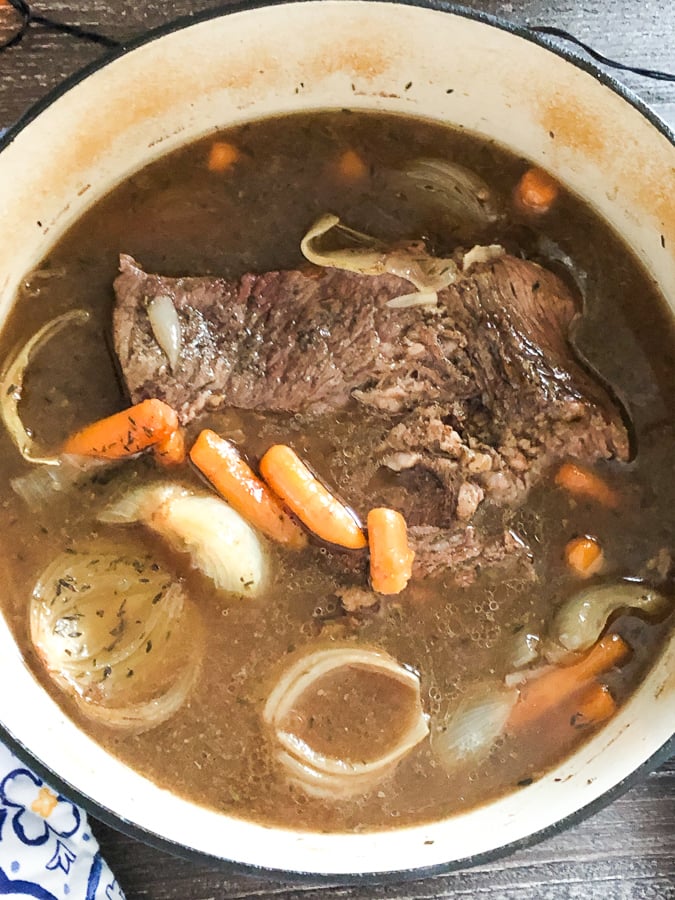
column 319, row 55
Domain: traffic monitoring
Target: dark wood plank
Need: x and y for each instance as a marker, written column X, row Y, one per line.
column 624, row 852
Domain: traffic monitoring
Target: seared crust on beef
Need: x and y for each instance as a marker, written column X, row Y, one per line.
column 483, row 392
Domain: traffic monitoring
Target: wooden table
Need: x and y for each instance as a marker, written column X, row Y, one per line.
column 624, row 851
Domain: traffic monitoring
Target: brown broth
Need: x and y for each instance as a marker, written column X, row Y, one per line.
column 176, row 217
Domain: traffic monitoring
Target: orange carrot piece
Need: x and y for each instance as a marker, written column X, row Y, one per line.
column 170, row 451
column 391, row 558
column 595, row 705
column 554, row 686
column 351, row 166
column 536, row 192
column 222, row 156
column 307, row 497
column 125, row 433
column 584, row 556
column 220, row 462
column 584, row 483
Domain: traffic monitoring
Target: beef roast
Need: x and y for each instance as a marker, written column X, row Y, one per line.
column 482, row 393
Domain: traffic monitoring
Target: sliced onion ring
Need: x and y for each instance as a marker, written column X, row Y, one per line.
column 11, row 386
column 325, row 775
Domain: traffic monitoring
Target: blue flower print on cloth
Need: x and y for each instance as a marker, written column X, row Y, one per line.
column 46, row 848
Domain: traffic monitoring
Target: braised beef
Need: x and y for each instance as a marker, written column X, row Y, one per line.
column 483, row 392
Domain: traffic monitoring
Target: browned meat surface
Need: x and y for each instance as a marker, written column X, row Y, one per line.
column 484, row 393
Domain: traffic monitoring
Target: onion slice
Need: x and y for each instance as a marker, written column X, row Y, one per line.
column 117, row 634
column 581, row 620
column 166, row 327
column 371, row 257
column 11, row 386
column 319, row 773
column 220, row 543
column 470, row 729
column 459, row 192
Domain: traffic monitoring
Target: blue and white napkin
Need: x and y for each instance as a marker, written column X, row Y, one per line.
column 47, row 850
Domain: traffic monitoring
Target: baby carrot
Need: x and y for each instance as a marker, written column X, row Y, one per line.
column 535, row 193
column 170, row 451
column 125, row 433
column 391, row 558
column 584, row 483
column 222, row 156
column 594, row 705
column 584, row 556
column 307, row 497
column 555, row 686
column 220, row 462
column 351, row 167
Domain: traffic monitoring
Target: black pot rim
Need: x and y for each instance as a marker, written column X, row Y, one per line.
column 290, row 877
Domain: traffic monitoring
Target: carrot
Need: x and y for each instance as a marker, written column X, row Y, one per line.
column 307, row 497
column 351, row 167
column 220, row 462
column 391, row 558
column 222, row 156
column 556, row 686
column 170, row 451
column 584, row 556
column 536, row 192
column 125, row 433
column 584, row 483
column 595, row 705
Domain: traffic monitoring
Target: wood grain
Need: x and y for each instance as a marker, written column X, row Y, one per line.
column 624, row 852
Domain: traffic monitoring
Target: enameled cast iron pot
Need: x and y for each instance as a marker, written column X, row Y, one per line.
column 427, row 60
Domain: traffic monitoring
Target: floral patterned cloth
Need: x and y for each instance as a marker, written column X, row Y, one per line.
column 47, row 850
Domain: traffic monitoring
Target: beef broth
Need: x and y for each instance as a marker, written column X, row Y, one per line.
column 489, row 568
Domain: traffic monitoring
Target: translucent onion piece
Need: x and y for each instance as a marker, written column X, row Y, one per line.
column 166, row 327
column 41, row 485
column 325, row 775
column 471, row 728
column 481, row 254
column 419, row 298
column 221, row 544
column 461, row 193
column 116, row 632
column 427, row 273
column 11, row 386
column 581, row 620
column 143, row 716
column 526, row 649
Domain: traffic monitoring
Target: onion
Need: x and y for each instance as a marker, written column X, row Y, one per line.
column 331, row 776
column 419, row 298
column 220, row 543
column 427, row 273
column 526, row 648
column 580, row 621
column 470, row 729
column 116, row 633
column 166, row 327
column 11, row 386
column 39, row 486
column 461, row 193
column 481, row 254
